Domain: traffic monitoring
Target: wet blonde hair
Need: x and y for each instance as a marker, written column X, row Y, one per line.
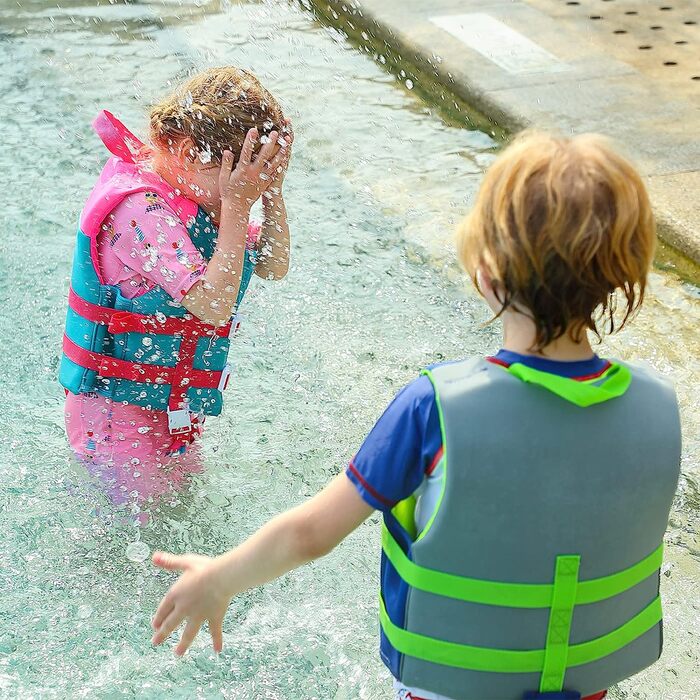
column 216, row 109
column 561, row 224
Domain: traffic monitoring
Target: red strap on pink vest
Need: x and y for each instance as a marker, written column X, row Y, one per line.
column 111, row 367
column 92, row 312
column 130, row 322
column 114, row 368
column 180, row 377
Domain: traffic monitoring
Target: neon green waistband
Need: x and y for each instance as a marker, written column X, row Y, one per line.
column 513, row 595
column 507, row 661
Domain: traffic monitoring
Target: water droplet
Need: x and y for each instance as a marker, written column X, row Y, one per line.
column 187, row 101
column 138, row 552
column 409, row 83
column 84, row 611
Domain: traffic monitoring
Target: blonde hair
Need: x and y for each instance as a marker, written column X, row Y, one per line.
column 561, row 224
column 216, row 109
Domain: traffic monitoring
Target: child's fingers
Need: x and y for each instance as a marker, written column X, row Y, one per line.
column 248, row 146
column 164, row 609
column 171, row 562
column 171, row 623
column 217, row 634
column 278, row 161
column 289, row 132
column 190, row 632
column 268, row 149
column 226, row 164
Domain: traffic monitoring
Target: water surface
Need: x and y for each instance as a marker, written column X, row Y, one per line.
column 376, row 187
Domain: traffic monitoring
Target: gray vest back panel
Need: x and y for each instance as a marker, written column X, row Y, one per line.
column 531, row 476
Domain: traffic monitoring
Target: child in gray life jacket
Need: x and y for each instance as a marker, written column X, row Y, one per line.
column 526, row 494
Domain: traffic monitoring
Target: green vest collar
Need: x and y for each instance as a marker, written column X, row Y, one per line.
column 609, row 385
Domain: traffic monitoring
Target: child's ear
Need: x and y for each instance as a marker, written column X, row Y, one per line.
column 488, row 289
column 483, row 281
column 186, row 151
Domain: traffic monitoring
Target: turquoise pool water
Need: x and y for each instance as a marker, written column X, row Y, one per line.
column 374, row 293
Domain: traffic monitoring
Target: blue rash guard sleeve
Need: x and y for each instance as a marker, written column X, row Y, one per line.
column 405, row 444
column 401, row 447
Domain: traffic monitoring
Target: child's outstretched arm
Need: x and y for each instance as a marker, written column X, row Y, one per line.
column 213, row 297
column 273, row 246
column 206, row 587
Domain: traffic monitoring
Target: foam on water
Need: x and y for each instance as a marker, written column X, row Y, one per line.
column 377, row 184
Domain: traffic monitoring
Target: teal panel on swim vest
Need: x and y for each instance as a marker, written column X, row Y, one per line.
column 158, row 349
column 204, row 236
column 85, row 333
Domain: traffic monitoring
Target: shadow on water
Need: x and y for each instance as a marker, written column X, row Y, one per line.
column 121, row 19
column 411, row 72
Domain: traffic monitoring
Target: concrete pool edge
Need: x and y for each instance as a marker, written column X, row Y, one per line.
column 651, row 125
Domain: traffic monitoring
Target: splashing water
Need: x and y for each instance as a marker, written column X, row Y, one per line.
column 137, row 552
column 376, row 186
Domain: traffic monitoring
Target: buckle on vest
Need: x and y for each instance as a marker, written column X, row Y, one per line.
column 179, row 421
column 225, row 374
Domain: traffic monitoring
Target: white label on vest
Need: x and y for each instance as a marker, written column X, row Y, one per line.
column 179, row 421
column 225, row 374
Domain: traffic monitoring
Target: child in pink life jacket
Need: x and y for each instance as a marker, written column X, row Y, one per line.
column 164, row 254
column 525, row 495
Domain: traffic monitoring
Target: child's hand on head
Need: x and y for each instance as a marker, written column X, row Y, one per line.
column 198, row 596
column 285, row 142
column 244, row 184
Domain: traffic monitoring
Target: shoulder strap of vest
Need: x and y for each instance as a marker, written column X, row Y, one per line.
column 117, row 138
column 456, row 371
column 131, row 153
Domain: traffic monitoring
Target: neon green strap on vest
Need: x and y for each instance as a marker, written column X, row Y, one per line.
column 556, row 650
column 560, row 597
column 513, row 595
column 506, row 661
column 613, row 383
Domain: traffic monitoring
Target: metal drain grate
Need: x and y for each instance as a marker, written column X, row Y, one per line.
column 660, row 39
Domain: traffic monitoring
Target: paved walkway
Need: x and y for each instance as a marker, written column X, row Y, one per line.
column 628, row 69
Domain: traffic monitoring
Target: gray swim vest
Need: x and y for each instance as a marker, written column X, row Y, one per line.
column 539, row 569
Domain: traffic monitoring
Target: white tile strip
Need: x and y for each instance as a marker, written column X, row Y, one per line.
column 499, row 43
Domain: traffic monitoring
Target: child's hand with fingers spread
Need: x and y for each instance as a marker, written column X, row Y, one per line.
column 206, row 587
column 245, row 183
column 197, row 597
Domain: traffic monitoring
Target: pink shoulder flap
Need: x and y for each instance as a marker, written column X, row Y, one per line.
column 123, row 175
column 117, row 138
